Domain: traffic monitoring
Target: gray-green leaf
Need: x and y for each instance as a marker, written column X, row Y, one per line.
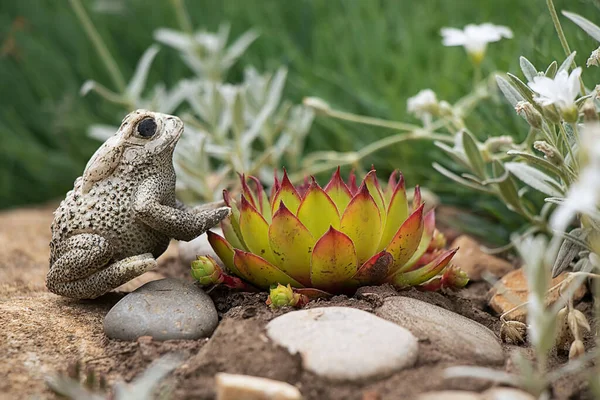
column 535, row 178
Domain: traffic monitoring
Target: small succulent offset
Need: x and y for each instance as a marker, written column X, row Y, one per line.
column 332, row 239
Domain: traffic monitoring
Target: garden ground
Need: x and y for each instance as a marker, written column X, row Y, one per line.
column 43, row 333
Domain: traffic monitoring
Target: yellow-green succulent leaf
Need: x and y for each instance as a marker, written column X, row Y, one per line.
column 375, row 191
column 333, row 261
column 428, row 230
column 231, row 236
column 292, row 245
column 287, row 194
column 362, row 223
column 338, row 192
column 259, row 271
column 317, row 212
column 406, row 241
column 397, row 212
column 234, row 218
column 255, row 231
column 223, row 249
column 423, row 274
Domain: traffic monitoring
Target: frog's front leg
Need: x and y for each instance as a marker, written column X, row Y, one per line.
column 172, row 221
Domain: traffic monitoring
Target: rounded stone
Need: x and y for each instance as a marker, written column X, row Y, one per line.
column 164, row 309
column 451, row 335
column 342, row 343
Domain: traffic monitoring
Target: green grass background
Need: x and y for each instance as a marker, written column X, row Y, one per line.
column 364, row 56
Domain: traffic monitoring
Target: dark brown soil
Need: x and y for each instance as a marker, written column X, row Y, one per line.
column 41, row 334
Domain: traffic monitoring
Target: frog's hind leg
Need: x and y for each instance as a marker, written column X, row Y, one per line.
column 79, row 256
column 108, row 278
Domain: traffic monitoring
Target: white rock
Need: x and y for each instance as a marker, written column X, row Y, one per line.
column 344, row 343
column 450, row 395
column 198, row 247
column 245, row 387
column 451, row 334
column 505, row 393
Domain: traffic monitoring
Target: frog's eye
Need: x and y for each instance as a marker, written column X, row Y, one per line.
column 146, row 128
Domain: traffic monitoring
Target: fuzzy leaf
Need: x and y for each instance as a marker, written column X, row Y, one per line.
column 567, row 63
column 362, row 223
column 255, row 231
column 539, row 161
column 317, row 212
column 588, row 26
column 508, row 188
column 333, row 262
column 292, row 245
column 137, row 83
column 528, row 69
column 260, row 272
column 512, row 95
column 473, row 154
column 406, row 241
column 522, row 88
column 535, row 178
column 551, row 70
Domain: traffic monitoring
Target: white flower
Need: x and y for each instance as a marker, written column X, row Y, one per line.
column 562, row 90
column 475, row 38
column 584, row 195
column 424, row 102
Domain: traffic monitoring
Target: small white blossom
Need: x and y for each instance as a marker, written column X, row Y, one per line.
column 424, row 102
column 474, row 38
column 562, row 90
column 584, row 195
column 594, row 58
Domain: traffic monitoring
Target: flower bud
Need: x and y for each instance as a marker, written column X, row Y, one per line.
column 589, row 111
column 594, row 58
column 497, row 143
column 577, row 349
column 551, row 113
column 282, row 296
column 550, row 152
column 319, row 105
column 513, row 332
column 526, row 110
column 454, row 278
column 206, row 271
column 570, row 114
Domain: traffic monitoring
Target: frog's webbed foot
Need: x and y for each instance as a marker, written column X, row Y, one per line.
column 110, row 277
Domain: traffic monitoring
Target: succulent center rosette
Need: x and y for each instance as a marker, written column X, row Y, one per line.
column 333, row 239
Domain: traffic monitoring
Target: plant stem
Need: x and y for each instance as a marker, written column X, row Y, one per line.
column 183, row 17
column 361, row 119
column 565, row 138
column 562, row 37
column 96, row 39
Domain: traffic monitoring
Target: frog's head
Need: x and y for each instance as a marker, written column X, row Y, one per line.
column 142, row 138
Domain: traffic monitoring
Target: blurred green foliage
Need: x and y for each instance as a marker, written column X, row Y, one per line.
column 363, row 56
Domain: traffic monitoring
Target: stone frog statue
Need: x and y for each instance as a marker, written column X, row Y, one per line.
column 122, row 212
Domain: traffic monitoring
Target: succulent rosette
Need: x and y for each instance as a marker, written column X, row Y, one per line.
column 332, row 239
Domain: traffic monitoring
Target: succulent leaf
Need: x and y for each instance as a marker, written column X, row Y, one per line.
column 292, row 244
column 235, row 217
column 287, row 194
column 259, row 271
column 255, row 231
column 333, row 261
column 317, row 212
column 417, row 198
column 406, row 241
column 397, row 212
column 424, row 273
column 206, row 271
column 338, row 191
column 426, row 238
column 374, row 270
column 223, row 249
column 375, row 190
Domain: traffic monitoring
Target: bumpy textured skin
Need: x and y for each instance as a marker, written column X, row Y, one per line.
column 122, row 212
